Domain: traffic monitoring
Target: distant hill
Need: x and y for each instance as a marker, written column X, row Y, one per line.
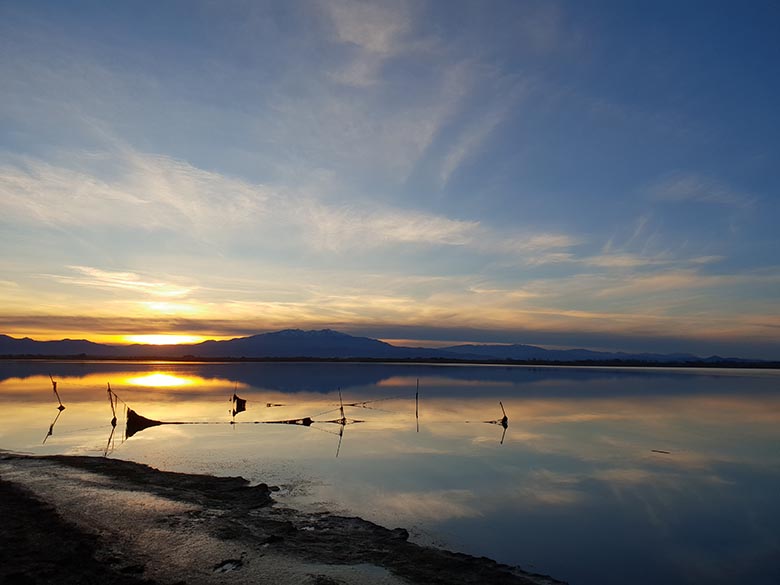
column 329, row 344
column 11, row 345
column 531, row 352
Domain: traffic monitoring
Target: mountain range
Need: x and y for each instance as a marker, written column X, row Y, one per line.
column 329, row 344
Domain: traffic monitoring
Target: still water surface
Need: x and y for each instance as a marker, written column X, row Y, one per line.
column 603, row 476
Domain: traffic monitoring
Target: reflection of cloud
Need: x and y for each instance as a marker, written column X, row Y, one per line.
column 637, row 476
column 512, row 435
column 441, row 382
column 539, row 487
column 438, row 505
column 626, row 476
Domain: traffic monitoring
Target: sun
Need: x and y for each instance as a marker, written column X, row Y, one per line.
column 163, row 339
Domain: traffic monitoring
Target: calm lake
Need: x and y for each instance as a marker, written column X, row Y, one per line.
column 602, row 475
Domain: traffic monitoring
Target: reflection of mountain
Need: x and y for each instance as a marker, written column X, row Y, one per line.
column 362, row 379
column 324, row 344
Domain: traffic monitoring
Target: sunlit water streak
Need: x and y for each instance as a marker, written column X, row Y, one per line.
column 604, row 475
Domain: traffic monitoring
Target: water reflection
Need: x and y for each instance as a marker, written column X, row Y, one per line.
column 608, row 476
column 238, row 405
column 135, row 423
column 60, row 408
column 287, row 378
column 50, row 432
column 503, row 422
column 160, row 380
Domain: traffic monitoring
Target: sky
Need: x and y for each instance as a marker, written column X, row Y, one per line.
column 566, row 174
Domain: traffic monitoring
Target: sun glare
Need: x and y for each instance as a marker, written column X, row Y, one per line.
column 163, row 339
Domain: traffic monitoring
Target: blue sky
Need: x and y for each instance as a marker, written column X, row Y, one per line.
column 589, row 174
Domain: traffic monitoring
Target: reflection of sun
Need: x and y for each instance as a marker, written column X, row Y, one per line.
column 163, row 339
column 159, row 380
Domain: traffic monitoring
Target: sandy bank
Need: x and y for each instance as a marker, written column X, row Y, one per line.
column 90, row 519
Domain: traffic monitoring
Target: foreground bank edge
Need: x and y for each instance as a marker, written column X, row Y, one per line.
column 232, row 511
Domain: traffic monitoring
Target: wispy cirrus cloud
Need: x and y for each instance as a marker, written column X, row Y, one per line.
column 131, row 281
column 682, row 279
column 374, row 27
column 496, row 106
column 375, row 31
column 152, row 193
column 339, row 228
column 469, row 142
column 340, row 129
column 142, row 191
column 701, row 189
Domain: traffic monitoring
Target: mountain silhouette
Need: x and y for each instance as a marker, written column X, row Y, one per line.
column 329, row 344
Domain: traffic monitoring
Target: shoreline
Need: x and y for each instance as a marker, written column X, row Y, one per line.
column 616, row 363
column 150, row 526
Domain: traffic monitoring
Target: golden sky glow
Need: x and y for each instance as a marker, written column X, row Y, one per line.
column 163, row 339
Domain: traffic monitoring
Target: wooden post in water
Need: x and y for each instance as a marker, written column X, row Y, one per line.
column 61, row 407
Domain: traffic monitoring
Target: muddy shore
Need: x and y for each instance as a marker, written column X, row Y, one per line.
column 69, row 519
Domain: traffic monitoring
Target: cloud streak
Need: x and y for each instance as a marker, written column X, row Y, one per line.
column 699, row 189
column 94, row 277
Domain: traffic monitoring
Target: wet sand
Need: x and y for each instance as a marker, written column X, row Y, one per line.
column 69, row 519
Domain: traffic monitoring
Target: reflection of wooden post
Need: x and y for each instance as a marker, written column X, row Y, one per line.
column 342, row 422
column 417, row 405
column 504, row 422
column 341, row 436
column 51, row 426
